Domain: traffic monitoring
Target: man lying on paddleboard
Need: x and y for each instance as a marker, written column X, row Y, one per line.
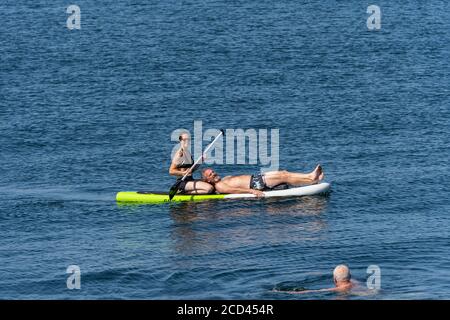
column 257, row 183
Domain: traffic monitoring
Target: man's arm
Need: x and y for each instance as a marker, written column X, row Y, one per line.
column 314, row 291
column 223, row 187
column 309, row 291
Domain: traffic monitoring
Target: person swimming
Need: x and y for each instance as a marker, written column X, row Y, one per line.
column 342, row 279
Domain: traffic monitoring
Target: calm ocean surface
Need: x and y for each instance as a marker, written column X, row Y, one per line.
column 87, row 113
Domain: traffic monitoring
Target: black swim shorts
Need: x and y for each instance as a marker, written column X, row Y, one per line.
column 257, row 182
column 182, row 186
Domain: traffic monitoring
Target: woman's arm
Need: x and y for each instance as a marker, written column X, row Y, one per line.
column 174, row 170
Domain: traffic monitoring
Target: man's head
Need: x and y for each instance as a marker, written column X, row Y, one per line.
column 210, row 176
column 341, row 274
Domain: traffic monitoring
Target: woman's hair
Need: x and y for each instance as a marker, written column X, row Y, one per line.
column 181, row 136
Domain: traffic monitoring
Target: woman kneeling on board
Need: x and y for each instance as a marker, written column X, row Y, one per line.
column 182, row 163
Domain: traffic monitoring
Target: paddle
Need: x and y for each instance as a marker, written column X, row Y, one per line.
column 174, row 188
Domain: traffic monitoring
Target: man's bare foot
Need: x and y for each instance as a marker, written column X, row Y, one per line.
column 317, row 175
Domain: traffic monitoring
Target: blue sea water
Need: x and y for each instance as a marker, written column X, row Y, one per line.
column 87, row 113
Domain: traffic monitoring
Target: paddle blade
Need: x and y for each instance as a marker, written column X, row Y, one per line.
column 173, row 191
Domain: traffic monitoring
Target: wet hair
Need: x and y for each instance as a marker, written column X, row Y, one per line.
column 341, row 273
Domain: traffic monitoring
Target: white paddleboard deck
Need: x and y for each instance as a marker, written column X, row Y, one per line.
column 291, row 192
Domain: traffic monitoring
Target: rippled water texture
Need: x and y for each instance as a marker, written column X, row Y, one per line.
column 86, row 113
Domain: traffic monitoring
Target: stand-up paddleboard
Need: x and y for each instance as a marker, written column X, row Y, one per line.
column 153, row 197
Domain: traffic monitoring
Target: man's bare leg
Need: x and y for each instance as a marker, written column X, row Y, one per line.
column 274, row 178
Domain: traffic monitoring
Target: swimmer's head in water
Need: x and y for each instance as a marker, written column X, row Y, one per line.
column 341, row 274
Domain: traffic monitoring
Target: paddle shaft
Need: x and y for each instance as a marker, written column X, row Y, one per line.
column 201, row 157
